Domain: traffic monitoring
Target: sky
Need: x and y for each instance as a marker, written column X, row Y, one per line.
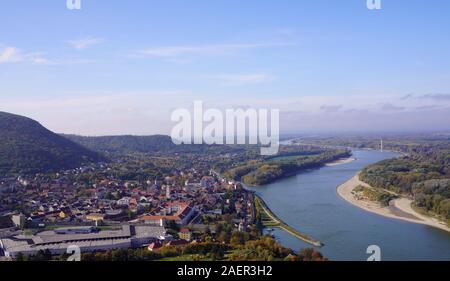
column 122, row 67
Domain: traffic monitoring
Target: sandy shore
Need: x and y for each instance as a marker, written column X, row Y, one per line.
column 399, row 208
column 341, row 161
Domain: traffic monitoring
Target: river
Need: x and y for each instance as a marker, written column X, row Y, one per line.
column 309, row 203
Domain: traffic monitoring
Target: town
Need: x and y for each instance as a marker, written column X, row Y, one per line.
column 174, row 210
column 143, row 197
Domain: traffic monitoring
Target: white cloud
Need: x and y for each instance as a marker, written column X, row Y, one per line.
column 149, row 112
column 391, row 107
column 437, row 97
column 14, row 55
column 84, row 43
column 239, row 79
column 334, row 104
column 331, row 108
column 286, row 31
column 218, row 49
column 10, row 55
column 38, row 58
column 106, row 113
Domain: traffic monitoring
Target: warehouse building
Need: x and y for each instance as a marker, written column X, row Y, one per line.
column 88, row 239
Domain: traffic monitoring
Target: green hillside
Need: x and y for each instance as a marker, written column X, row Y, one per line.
column 27, row 147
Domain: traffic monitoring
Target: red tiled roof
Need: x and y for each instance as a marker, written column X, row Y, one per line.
column 181, row 214
column 177, row 242
column 185, row 230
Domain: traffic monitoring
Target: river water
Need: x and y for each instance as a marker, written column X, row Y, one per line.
column 309, row 203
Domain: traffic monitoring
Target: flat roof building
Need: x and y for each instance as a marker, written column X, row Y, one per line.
column 86, row 238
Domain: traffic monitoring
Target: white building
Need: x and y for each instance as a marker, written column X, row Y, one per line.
column 87, row 238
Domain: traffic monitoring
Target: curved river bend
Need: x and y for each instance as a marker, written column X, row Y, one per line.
column 309, row 203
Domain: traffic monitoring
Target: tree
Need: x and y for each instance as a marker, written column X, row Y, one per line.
column 20, row 257
column 239, row 238
column 173, row 225
column 42, row 255
column 309, row 254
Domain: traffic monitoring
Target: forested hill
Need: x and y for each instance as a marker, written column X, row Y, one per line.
column 423, row 175
column 125, row 143
column 155, row 144
column 27, row 147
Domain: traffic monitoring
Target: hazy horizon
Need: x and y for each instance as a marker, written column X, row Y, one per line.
column 116, row 68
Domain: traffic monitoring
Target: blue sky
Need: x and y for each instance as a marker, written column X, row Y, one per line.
column 117, row 67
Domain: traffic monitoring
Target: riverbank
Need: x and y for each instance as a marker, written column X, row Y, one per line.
column 277, row 222
column 340, row 162
column 398, row 208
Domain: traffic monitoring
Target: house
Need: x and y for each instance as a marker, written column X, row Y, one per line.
column 96, row 217
column 207, row 182
column 185, row 234
column 19, row 220
column 180, row 212
column 177, row 243
column 125, row 201
column 154, row 246
column 62, row 215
